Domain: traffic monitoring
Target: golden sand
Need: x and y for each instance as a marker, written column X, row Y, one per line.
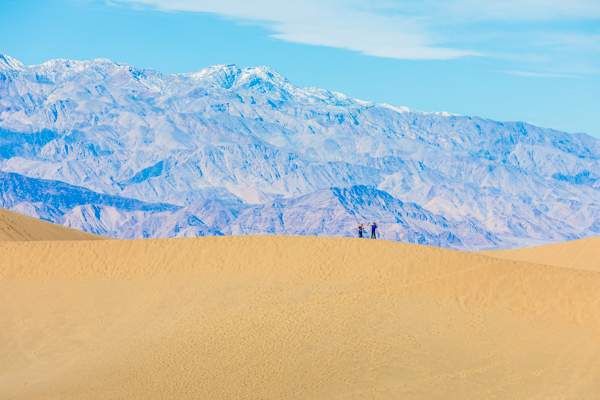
column 18, row 227
column 271, row 317
column 578, row 254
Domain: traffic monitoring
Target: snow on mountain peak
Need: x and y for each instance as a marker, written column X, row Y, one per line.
column 230, row 76
column 222, row 75
column 399, row 110
column 8, row 63
column 263, row 80
column 60, row 70
column 260, row 80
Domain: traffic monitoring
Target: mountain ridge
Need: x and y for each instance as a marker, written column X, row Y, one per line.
column 249, row 136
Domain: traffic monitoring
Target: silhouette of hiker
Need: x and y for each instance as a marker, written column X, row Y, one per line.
column 360, row 231
column 373, row 230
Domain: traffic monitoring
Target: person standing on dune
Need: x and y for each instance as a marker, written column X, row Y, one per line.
column 360, row 230
column 373, row 230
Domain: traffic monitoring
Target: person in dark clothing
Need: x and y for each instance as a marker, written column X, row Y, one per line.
column 373, row 230
column 360, row 231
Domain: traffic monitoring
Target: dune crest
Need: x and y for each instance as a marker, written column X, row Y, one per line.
column 290, row 318
column 19, row 227
column 581, row 254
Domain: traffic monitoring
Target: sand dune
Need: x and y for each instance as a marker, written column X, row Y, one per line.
column 581, row 254
column 18, row 227
column 291, row 318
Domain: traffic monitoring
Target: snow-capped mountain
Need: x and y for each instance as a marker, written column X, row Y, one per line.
column 228, row 150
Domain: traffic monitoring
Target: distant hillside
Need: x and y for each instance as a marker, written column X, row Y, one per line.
column 266, row 153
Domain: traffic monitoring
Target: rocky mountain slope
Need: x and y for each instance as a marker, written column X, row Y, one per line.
column 228, row 150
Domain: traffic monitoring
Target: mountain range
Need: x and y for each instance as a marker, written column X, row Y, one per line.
column 132, row 153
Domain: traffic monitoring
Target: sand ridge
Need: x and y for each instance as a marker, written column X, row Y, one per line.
column 291, row 318
column 19, row 227
column 581, row 254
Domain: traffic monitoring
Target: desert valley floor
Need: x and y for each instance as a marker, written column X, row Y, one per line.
column 288, row 317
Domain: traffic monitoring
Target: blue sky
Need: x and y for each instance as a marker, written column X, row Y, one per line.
column 529, row 60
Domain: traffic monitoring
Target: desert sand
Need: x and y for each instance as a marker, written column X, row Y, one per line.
column 578, row 254
column 17, row 227
column 271, row 317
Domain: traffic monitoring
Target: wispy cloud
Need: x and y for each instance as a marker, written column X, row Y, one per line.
column 513, row 10
column 540, row 75
column 379, row 29
column 416, row 29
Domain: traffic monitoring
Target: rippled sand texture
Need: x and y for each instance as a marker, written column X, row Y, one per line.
column 268, row 317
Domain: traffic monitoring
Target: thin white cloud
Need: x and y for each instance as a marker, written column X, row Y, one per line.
column 513, row 10
column 540, row 74
column 412, row 29
column 570, row 41
column 334, row 23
